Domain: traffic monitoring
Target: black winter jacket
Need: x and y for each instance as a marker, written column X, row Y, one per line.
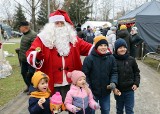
column 124, row 34
column 128, row 74
column 136, row 42
column 25, row 44
column 100, row 71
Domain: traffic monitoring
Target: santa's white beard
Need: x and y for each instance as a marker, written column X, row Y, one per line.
column 62, row 42
column 58, row 37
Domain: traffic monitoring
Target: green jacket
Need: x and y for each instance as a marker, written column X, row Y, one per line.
column 25, row 44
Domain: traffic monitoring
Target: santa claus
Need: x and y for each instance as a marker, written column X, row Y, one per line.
column 56, row 51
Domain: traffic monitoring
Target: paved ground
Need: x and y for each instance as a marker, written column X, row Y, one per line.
column 12, row 40
column 147, row 97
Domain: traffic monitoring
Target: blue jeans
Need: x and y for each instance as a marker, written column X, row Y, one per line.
column 104, row 103
column 27, row 72
column 126, row 100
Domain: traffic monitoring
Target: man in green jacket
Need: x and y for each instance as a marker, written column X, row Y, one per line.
column 28, row 37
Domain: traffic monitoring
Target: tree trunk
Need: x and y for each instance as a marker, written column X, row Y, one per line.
column 33, row 16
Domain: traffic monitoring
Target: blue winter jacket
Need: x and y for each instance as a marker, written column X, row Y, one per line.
column 34, row 108
column 100, row 71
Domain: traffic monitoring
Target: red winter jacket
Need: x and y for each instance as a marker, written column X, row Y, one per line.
column 52, row 64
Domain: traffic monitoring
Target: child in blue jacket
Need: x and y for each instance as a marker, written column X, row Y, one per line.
column 100, row 69
column 39, row 102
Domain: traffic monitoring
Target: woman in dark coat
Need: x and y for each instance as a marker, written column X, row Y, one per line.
column 136, row 45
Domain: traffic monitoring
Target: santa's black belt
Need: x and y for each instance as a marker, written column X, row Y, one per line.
column 61, row 69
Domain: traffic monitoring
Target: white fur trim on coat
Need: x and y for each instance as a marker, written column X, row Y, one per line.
column 33, row 64
column 56, row 18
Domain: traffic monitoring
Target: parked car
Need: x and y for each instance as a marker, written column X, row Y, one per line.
column 16, row 34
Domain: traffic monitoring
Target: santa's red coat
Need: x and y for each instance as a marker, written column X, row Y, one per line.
column 52, row 65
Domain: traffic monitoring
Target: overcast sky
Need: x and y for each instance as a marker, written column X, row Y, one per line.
column 118, row 5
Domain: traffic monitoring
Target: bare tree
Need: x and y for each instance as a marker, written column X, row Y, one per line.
column 57, row 4
column 106, row 8
column 6, row 11
column 31, row 10
column 101, row 9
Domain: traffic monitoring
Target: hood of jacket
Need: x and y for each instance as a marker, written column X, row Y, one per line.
column 123, row 33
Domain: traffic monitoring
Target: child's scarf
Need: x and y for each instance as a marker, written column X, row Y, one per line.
column 38, row 94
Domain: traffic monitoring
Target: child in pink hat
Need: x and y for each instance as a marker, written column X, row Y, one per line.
column 79, row 98
column 56, row 103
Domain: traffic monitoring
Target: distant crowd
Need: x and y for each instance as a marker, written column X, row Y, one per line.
column 134, row 41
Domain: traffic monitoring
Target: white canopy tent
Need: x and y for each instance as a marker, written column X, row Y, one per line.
column 96, row 24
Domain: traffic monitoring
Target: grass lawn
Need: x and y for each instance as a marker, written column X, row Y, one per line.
column 152, row 63
column 13, row 84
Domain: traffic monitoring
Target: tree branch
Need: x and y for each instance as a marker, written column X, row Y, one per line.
column 29, row 12
column 37, row 3
column 28, row 3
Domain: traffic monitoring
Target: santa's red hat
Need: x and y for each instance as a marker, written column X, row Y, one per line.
column 60, row 15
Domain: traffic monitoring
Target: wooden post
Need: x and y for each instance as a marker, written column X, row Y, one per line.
column 1, row 50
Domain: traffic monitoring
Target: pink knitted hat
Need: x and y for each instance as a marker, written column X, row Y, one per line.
column 56, row 98
column 75, row 75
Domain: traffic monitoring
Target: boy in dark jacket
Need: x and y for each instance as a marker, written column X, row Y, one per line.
column 101, row 71
column 128, row 78
column 39, row 102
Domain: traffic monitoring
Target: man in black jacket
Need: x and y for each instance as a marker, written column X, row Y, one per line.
column 28, row 37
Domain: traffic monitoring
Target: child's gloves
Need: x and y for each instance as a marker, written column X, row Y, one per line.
column 112, row 86
column 74, row 110
column 40, row 55
column 96, row 106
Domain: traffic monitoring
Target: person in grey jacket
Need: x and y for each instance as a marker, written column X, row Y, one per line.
column 28, row 37
column 100, row 69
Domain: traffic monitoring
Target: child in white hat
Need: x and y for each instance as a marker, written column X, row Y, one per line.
column 79, row 97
